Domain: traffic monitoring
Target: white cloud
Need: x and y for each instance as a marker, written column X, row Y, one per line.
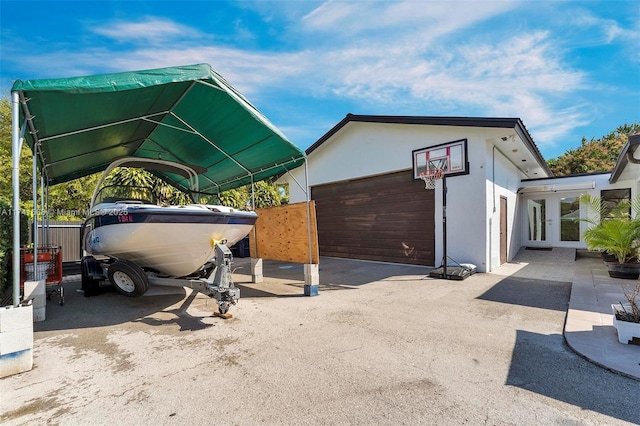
column 603, row 31
column 396, row 65
column 147, row 30
column 369, row 18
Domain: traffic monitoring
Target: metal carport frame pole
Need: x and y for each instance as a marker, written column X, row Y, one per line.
column 16, row 137
column 35, row 212
column 306, row 184
column 311, row 275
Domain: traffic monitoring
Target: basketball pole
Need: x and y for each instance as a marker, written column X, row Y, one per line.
column 444, row 225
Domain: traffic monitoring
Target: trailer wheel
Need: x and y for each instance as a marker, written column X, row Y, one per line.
column 224, row 307
column 128, row 278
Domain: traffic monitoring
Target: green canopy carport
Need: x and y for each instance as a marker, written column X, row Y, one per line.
column 188, row 114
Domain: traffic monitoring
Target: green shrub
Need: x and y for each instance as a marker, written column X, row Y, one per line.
column 6, row 241
column 4, row 268
column 614, row 231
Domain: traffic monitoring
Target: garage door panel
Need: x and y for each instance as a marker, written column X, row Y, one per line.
column 415, row 214
column 372, row 193
column 397, row 204
column 388, row 203
column 335, row 225
column 385, row 218
column 409, row 255
column 374, row 237
column 390, row 191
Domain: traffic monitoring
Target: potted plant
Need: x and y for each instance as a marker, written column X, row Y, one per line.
column 616, row 233
column 626, row 317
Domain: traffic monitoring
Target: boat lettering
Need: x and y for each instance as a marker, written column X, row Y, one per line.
column 125, row 218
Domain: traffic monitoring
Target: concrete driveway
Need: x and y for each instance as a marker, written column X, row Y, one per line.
column 381, row 344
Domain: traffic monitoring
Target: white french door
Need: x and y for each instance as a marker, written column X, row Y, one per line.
column 553, row 220
column 538, row 227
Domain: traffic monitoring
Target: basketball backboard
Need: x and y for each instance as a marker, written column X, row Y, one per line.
column 452, row 156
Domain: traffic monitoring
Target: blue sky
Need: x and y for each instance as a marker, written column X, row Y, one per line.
column 568, row 69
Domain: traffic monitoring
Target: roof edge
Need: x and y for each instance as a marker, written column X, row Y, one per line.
column 127, row 80
column 496, row 122
column 623, row 159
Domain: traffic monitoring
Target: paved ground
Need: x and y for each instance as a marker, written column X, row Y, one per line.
column 589, row 327
column 380, row 345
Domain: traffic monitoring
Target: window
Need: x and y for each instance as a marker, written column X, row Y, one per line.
column 570, row 219
column 612, row 197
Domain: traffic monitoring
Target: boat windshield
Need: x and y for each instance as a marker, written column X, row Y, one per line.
column 128, row 194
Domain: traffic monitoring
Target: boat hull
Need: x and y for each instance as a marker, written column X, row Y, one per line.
column 170, row 240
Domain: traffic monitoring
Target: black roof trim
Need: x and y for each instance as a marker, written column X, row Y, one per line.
column 623, row 159
column 504, row 123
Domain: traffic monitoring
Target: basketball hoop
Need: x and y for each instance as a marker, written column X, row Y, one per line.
column 430, row 176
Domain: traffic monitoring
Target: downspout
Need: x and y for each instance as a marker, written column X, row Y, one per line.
column 493, row 176
column 493, row 196
column 631, row 158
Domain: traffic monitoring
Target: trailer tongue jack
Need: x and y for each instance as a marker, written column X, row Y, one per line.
column 216, row 283
column 221, row 286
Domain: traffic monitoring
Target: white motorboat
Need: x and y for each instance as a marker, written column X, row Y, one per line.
column 173, row 241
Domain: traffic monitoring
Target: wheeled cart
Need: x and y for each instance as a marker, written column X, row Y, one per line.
column 48, row 267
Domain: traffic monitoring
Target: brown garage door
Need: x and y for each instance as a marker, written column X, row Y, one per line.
column 387, row 218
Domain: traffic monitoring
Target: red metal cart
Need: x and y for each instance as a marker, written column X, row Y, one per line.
column 49, row 267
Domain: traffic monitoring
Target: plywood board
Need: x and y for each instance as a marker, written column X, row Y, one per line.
column 282, row 233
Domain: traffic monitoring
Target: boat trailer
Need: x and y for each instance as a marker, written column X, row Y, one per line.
column 131, row 280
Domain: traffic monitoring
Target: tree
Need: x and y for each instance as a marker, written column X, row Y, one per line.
column 161, row 191
column 266, row 193
column 596, row 155
column 70, row 200
column 66, row 201
column 6, row 186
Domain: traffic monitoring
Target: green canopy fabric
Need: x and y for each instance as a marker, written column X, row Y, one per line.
column 188, row 114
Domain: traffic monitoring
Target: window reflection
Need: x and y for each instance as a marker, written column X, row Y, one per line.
column 536, row 210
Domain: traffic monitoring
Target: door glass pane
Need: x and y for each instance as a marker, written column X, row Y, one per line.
column 570, row 219
column 537, row 219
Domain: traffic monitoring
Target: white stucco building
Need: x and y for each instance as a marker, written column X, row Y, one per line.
column 369, row 206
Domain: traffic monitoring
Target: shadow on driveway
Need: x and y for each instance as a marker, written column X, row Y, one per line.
column 543, row 294
column 542, row 364
column 335, row 274
column 111, row 308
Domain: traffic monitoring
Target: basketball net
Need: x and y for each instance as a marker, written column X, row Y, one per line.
column 430, row 176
